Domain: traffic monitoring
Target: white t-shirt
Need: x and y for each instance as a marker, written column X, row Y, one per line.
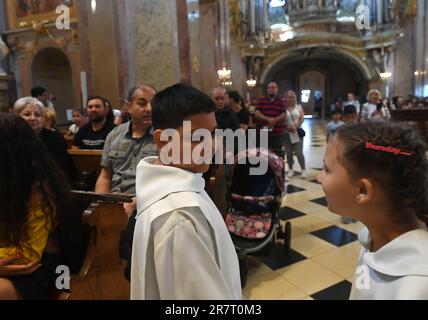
column 294, row 115
column 73, row 128
column 370, row 108
column 292, row 119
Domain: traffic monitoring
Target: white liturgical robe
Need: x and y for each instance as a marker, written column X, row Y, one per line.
column 397, row 271
column 182, row 248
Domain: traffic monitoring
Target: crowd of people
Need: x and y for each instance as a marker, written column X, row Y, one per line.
column 378, row 107
column 172, row 214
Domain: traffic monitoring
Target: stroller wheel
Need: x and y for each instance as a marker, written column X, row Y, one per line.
column 287, row 238
column 243, row 269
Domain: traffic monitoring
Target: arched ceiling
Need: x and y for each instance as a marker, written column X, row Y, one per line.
column 303, row 56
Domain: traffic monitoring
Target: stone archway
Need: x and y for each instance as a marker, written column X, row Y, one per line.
column 313, row 83
column 341, row 73
column 52, row 70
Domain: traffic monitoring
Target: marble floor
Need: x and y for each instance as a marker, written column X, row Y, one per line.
column 324, row 252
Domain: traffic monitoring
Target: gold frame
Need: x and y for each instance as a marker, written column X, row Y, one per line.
column 15, row 22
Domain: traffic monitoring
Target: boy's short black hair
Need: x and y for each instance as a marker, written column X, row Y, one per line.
column 335, row 111
column 37, row 91
column 349, row 109
column 235, row 96
column 170, row 107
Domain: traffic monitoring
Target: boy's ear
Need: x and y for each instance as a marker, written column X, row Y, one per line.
column 366, row 191
column 157, row 139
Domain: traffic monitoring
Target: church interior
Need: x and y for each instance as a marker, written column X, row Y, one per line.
column 75, row 56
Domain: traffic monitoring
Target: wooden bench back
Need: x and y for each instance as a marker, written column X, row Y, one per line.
column 418, row 116
column 87, row 160
column 88, row 164
column 101, row 271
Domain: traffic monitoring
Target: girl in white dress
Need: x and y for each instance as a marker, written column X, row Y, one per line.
column 377, row 173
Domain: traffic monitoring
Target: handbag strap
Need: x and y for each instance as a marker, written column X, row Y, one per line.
column 291, row 115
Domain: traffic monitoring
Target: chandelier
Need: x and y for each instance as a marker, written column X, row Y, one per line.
column 385, row 75
column 224, row 74
column 251, row 83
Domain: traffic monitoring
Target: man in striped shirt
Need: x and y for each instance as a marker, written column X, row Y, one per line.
column 271, row 114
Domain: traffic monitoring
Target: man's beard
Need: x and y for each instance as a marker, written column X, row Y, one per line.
column 96, row 118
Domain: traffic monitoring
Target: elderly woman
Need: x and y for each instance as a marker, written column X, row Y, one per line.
column 32, row 111
column 374, row 109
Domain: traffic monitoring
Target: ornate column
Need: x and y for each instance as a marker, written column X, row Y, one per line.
column 98, row 49
column 156, row 43
column 194, row 25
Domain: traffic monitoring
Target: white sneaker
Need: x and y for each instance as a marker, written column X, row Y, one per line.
column 304, row 174
column 291, row 174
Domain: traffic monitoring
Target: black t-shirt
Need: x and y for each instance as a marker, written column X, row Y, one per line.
column 243, row 116
column 87, row 138
column 57, row 147
column 226, row 119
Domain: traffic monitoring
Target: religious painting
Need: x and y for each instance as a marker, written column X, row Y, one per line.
column 21, row 13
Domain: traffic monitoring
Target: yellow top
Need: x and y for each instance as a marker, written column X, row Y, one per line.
column 38, row 229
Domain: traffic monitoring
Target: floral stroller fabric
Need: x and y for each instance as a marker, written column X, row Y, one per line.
column 254, row 202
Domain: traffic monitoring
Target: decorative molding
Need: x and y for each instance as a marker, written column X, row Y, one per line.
column 28, row 40
column 15, row 21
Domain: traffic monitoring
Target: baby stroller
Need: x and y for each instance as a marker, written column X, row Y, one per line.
column 254, row 202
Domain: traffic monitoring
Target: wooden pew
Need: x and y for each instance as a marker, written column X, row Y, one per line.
column 216, row 188
column 100, row 273
column 88, row 164
column 87, row 160
column 419, row 117
column 70, row 142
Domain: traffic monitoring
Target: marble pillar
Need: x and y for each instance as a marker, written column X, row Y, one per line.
column 124, row 34
column 156, row 43
column 193, row 13
column 98, row 50
column 420, row 29
column 4, row 78
column 210, row 48
column 184, row 41
column 5, row 94
column 2, row 16
column 404, row 66
column 426, row 52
